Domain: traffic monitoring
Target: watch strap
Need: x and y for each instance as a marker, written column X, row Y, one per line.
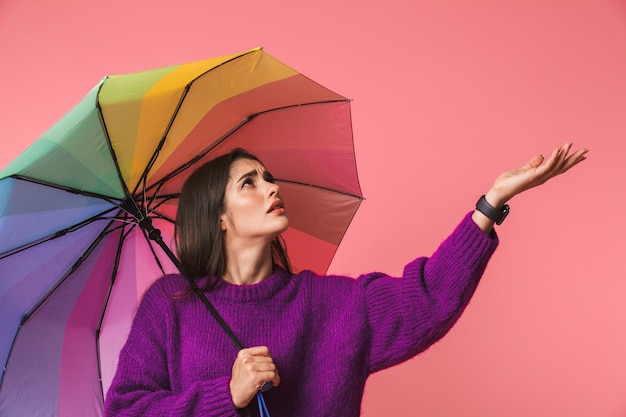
column 497, row 215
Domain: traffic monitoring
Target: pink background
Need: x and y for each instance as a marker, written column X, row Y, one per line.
column 447, row 94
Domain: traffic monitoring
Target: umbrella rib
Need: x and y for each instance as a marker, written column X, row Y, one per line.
column 76, row 191
column 72, row 269
column 157, row 151
column 59, row 233
column 319, row 187
column 116, row 262
column 162, row 199
column 163, row 217
column 117, row 203
column 313, row 103
column 105, row 130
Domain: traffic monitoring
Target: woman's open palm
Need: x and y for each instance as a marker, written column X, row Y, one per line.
column 535, row 172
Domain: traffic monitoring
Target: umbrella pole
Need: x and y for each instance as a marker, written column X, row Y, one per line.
column 155, row 234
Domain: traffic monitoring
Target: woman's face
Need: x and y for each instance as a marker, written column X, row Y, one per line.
column 252, row 205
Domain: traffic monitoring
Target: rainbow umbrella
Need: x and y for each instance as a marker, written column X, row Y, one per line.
column 74, row 260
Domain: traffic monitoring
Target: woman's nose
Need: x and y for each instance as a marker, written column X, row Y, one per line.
column 273, row 189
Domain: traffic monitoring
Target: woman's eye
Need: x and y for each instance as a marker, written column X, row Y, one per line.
column 268, row 177
column 247, row 182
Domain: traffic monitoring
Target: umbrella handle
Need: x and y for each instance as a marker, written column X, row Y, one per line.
column 263, row 412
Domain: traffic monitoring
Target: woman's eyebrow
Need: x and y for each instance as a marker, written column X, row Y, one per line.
column 249, row 174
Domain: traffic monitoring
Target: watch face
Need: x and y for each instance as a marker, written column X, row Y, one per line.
column 504, row 211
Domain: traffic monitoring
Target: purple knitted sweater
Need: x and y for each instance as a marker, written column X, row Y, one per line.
column 326, row 334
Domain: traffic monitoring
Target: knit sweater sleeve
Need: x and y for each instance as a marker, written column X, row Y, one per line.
column 407, row 315
column 141, row 386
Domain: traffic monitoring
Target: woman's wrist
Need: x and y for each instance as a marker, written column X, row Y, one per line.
column 495, row 199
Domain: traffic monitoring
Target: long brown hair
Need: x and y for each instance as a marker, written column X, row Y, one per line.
column 199, row 238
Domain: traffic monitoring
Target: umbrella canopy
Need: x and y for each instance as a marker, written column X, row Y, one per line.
column 74, row 261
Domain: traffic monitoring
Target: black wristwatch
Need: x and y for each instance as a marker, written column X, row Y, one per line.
column 497, row 215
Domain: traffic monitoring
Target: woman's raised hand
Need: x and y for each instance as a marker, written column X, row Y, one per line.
column 253, row 367
column 535, row 172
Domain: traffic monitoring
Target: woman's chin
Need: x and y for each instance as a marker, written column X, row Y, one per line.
column 283, row 228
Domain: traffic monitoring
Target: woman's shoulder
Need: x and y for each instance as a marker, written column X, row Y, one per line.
column 330, row 282
column 167, row 285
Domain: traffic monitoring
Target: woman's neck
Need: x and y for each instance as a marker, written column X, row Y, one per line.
column 246, row 266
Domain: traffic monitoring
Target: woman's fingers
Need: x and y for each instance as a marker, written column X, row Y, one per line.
column 260, row 370
column 555, row 160
column 533, row 163
column 258, row 360
column 559, row 162
column 252, row 368
column 258, row 364
column 574, row 159
column 255, row 351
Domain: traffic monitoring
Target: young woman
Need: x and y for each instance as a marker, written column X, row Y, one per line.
column 317, row 339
